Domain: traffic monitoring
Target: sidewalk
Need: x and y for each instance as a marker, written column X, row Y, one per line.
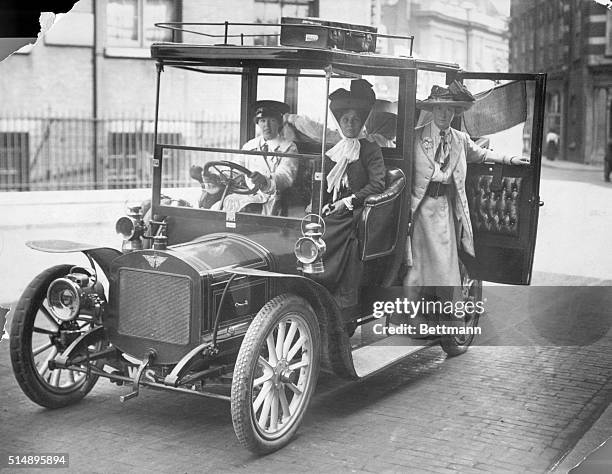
column 69, row 208
column 592, row 439
column 571, row 165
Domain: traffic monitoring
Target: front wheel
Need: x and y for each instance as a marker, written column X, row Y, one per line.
column 275, row 373
column 36, row 339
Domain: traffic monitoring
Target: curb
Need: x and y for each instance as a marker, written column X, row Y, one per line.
column 592, row 439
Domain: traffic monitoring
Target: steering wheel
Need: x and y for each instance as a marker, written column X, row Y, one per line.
column 235, row 183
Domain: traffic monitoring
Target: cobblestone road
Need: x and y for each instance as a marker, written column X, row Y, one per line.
column 493, row 409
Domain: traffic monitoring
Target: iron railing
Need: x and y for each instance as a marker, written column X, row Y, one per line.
column 58, row 152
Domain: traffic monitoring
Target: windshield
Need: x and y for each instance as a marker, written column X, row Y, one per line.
column 261, row 156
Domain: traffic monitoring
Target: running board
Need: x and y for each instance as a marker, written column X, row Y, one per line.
column 374, row 357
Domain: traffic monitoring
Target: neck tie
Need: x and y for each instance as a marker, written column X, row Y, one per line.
column 265, row 149
column 443, row 152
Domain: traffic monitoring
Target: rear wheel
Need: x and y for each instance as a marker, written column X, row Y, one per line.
column 471, row 290
column 35, row 339
column 275, row 374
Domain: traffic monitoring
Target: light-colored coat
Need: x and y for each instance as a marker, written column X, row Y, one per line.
column 281, row 170
column 462, row 151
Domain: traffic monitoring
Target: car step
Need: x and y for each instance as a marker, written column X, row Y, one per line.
column 374, row 357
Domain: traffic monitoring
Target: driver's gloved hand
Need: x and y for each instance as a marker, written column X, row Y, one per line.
column 260, row 180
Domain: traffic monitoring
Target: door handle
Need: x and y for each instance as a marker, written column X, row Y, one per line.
column 533, row 201
column 239, row 304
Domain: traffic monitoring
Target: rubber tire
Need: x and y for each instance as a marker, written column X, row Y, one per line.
column 21, row 345
column 241, row 396
column 449, row 343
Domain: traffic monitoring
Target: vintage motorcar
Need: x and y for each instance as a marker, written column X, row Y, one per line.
column 225, row 304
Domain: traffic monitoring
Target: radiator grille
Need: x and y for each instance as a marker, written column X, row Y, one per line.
column 154, row 305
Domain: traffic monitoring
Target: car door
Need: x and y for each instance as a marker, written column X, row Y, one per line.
column 504, row 200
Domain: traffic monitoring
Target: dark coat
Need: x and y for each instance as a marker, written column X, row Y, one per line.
column 366, row 176
column 343, row 266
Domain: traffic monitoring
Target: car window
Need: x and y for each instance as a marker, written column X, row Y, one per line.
column 217, row 181
column 380, row 126
column 205, row 107
column 502, row 114
column 188, row 178
column 271, row 87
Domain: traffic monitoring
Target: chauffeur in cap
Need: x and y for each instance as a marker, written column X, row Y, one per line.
column 441, row 217
column 271, row 174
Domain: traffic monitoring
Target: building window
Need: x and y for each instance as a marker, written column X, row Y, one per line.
column 577, row 25
column 131, row 23
column 609, row 33
column 553, row 105
column 129, row 157
column 541, row 12
column 271, row 11
column 14, row 161
column 550, row 12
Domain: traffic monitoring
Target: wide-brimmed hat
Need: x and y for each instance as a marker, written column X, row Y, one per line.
column 270, row 108
column 360, row 98
column 455, row 95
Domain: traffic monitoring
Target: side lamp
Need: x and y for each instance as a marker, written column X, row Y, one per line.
column 131, row 228
column 309, row 248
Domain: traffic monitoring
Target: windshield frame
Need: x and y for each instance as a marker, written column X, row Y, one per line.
column 397, row 157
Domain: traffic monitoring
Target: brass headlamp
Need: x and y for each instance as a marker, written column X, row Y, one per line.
column 309, row 248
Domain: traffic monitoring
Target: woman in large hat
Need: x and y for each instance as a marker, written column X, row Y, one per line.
column 355, row 169
column 440, row 213
column 379, row 127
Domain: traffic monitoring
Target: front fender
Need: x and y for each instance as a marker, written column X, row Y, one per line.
column 336, row 345
column 103, row 256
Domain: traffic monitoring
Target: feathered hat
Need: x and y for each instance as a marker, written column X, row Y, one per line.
column 455, row 95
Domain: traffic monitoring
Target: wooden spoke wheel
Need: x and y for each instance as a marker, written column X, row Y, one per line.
column 275, row 373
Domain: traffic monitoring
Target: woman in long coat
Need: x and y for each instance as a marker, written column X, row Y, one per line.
column 441, row 217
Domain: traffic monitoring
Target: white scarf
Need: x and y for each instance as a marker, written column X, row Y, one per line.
column 344, row 152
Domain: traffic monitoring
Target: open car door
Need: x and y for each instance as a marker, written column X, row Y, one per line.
column 504, row 200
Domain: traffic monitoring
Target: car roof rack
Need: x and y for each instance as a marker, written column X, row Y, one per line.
column 313, row 33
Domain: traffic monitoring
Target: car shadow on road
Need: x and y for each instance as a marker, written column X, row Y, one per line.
column 335, row 398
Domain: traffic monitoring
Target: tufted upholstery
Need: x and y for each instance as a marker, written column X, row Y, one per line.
column 394, row 184
column 494, row 204
column 377, row 230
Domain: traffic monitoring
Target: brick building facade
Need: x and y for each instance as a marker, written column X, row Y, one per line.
column 571, row 40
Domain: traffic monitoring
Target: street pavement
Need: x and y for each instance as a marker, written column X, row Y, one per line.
column 493, row 409
column 525, row 407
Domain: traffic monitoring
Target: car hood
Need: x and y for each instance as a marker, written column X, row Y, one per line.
column 216, row 252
